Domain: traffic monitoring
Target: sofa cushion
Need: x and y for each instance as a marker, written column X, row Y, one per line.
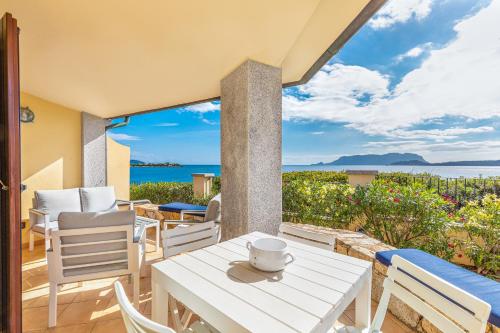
column 56, row 201
column 98, row 199
column 177, row 207
column 69, row 221
column 483, row 288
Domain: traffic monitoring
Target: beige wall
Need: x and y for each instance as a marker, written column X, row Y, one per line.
column 51, row 153
column 118, row 168
column 50, row 150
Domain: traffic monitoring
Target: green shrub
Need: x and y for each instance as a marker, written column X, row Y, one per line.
column 164, row 192
column 318, row 203
column 406, row 216
column 320, row 176
column 481, row 221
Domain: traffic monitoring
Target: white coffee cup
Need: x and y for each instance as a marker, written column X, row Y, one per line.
column 269, row 254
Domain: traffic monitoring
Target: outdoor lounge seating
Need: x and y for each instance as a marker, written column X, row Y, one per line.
column 208, row 213
column 90, row 246
column 479, row 286
column 183, row 208
column 48, row 204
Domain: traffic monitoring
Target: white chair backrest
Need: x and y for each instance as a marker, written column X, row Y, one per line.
column 316, row 239
column 447, row 307
column 134, row 321
column 185, row 238
column 90, row 253
column 214, row 210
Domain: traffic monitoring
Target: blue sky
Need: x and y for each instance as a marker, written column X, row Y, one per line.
column 422, row 76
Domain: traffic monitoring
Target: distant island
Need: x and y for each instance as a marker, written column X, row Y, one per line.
column 373, row 159
column 452, row 163
column 402, row 159
column 137, row 163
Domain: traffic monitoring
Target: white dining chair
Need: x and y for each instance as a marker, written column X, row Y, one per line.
column 137, row 323
column 189, row 236
column 447, row 307
column 186, row 237
column 316, row 239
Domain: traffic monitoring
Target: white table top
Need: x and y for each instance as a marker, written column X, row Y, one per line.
column 308, row 296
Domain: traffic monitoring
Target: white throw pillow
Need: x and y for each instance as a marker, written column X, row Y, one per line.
column 55, row 202
column 98, row 199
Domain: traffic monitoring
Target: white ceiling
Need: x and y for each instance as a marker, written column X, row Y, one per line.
column 115, row 57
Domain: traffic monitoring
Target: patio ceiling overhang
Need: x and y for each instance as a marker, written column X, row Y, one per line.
column 114, row 57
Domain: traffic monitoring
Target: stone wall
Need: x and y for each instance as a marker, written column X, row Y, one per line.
column 361, row 246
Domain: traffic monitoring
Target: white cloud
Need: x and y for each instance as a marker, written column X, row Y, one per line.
column 203, row 107
column 400, row 11
column 439, row 134
column 440, row 151
column 123, row 137
column 459, row 80
column 209, row 122
column 167, row 124
column 415, row 52
column 318, row 133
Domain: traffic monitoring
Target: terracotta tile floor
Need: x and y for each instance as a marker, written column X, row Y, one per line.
column 92, row 306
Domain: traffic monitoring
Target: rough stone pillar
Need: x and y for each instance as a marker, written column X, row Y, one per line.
column 93, row 150
column 251, row 150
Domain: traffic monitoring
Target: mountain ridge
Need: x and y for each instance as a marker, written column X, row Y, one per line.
column 375, row 159
column 402, row 159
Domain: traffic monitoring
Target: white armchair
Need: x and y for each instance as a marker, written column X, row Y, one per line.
column 89, row 246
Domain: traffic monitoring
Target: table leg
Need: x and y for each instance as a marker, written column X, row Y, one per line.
column 159, row 306
column 363, row 303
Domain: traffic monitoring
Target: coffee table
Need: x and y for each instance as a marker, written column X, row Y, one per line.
column 142, row 224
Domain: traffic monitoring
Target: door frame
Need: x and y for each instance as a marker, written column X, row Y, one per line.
column 10, row 173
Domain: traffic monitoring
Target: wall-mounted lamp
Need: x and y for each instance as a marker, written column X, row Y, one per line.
column 27, row 116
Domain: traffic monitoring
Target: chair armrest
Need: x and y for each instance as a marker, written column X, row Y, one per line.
column 137, row 202
column 131, row 203
column 146, row 219
column 38, row 212
column 38, row 216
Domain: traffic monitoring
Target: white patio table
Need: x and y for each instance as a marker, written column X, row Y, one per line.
column 219, row 285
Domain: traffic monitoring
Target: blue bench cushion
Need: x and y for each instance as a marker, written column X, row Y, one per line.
column 177, row 207
column 475, row 284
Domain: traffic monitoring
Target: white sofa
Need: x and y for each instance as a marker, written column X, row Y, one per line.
column 48, row 204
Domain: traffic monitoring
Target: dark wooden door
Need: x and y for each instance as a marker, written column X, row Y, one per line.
column 10, row 177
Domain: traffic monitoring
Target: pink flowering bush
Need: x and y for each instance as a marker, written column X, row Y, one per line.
column 481, row 221
column 409, row 216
